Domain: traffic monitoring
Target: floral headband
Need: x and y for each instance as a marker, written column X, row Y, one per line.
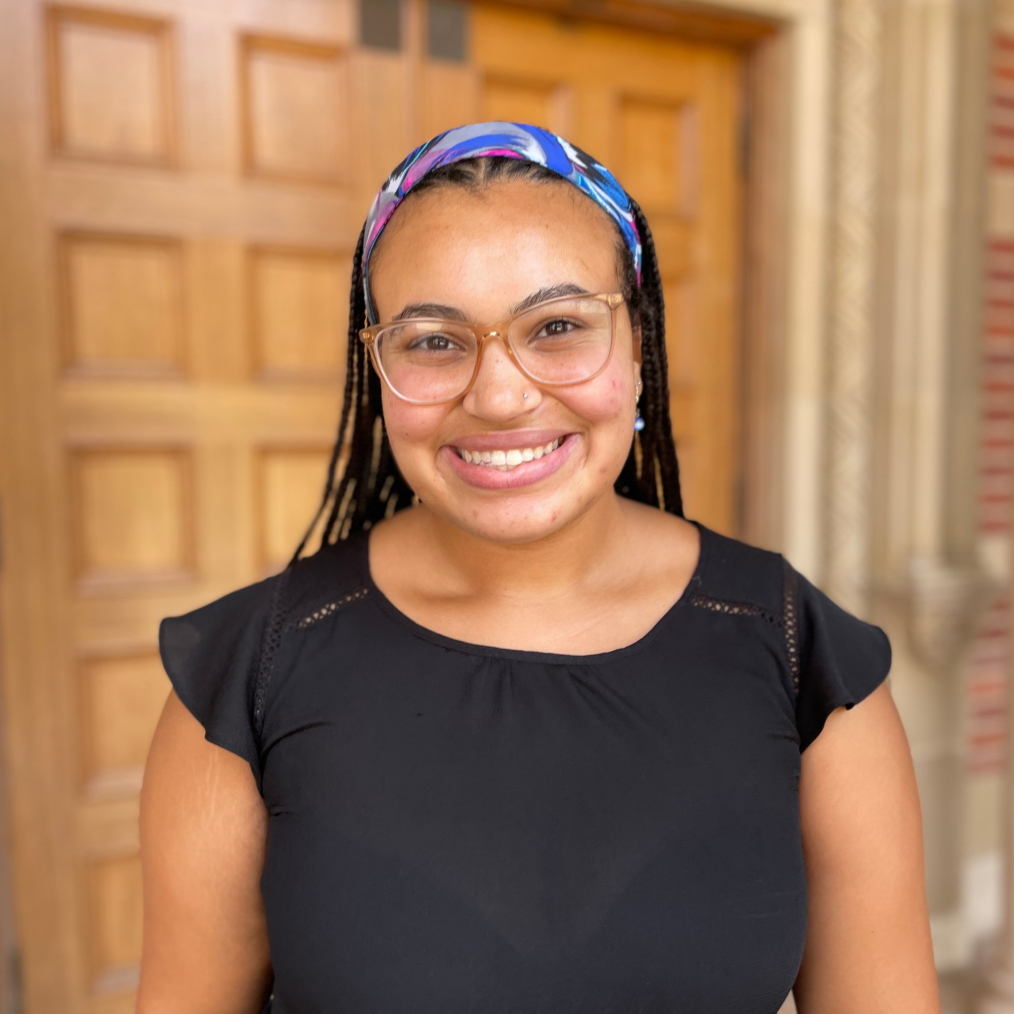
column 511, row 140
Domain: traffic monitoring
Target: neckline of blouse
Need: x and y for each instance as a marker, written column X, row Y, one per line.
column 517, row 655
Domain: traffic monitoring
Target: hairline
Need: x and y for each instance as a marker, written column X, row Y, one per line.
column 430, row 184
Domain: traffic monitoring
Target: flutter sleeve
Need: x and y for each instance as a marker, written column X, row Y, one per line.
column 841, row 659
column 212, row 656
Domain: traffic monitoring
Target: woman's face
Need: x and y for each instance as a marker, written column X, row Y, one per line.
column 452, row 253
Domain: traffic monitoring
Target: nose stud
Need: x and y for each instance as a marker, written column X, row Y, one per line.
column 525, row 395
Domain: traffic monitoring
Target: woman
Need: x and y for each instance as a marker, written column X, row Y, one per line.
column 519, row 738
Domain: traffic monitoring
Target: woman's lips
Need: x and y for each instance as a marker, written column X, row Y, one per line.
column 490, row 476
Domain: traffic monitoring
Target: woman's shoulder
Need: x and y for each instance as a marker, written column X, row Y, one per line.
column 734, row 571
column 831, row 658
column 330, row 572
column 219, row 657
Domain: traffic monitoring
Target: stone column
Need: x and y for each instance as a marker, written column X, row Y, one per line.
column 998, row 994
column 852, row 325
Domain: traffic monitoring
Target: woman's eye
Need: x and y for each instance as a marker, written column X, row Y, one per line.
column 556, row 328
column 434, row 343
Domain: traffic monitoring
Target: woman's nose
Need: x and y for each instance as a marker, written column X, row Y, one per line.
column 501, row 391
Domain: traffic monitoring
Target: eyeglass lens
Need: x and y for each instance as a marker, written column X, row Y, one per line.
column 563, row 341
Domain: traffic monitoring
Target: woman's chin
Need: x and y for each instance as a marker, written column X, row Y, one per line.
column 508, row 529
column 512, row 520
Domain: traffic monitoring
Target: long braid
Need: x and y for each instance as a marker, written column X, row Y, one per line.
column 650, row 473
column 659, row 449
column 370, row 487
column 356, row 314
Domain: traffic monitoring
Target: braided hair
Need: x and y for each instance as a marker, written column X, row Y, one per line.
column 364, row 484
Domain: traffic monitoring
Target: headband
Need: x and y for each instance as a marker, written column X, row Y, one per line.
column 510, row 140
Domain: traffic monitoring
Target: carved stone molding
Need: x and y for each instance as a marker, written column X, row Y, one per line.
column 851, row 328
column 944, row 606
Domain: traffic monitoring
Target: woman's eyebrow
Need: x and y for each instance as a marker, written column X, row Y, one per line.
column 429, row 310
column 551, row 292
column 416, row 310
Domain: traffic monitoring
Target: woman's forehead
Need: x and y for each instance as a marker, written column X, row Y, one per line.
column 450, row 221
column 485, row 255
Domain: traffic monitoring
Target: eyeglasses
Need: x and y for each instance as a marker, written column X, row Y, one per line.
column 426, row 361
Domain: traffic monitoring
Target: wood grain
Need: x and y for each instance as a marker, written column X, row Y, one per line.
column 173, row 271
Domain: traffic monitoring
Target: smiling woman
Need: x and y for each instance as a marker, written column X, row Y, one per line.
column 518, row 737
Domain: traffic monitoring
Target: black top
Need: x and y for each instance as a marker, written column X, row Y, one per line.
column 459, row 829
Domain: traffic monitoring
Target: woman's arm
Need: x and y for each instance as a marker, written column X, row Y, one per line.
column 868, row 948
column 203, row 828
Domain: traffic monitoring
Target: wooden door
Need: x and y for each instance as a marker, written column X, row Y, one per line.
column 182, row 185
column 663, row 115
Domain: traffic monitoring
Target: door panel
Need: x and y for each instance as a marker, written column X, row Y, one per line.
column 111, row 85
column 295, row 109
column 449, row 96
column 656, row 142
column 545, row 103
column 133, row 509
column 185, row 183
column 299, row 313
column 663, row 115
column 287, row 493
column 121, row 302
column 121, row 698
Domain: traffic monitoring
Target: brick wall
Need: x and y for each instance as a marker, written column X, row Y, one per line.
column 990, row 657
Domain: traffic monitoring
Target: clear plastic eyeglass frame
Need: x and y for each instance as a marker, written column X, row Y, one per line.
column 371, row 336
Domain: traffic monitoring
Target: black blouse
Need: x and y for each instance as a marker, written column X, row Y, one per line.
column 459, row 829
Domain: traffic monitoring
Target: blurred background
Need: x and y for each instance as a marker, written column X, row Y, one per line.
column 182, row 183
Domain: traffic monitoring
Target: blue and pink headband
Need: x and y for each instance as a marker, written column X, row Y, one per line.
column 511, row 140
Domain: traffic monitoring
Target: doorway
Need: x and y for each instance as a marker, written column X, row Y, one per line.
column 186, row 185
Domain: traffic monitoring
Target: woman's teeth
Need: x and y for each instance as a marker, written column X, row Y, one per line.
column 506, row 460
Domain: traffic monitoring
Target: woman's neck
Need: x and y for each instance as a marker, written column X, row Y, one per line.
column 570, row 557
column 598, row 584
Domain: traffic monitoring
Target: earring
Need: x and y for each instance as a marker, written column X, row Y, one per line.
column 638, row 421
